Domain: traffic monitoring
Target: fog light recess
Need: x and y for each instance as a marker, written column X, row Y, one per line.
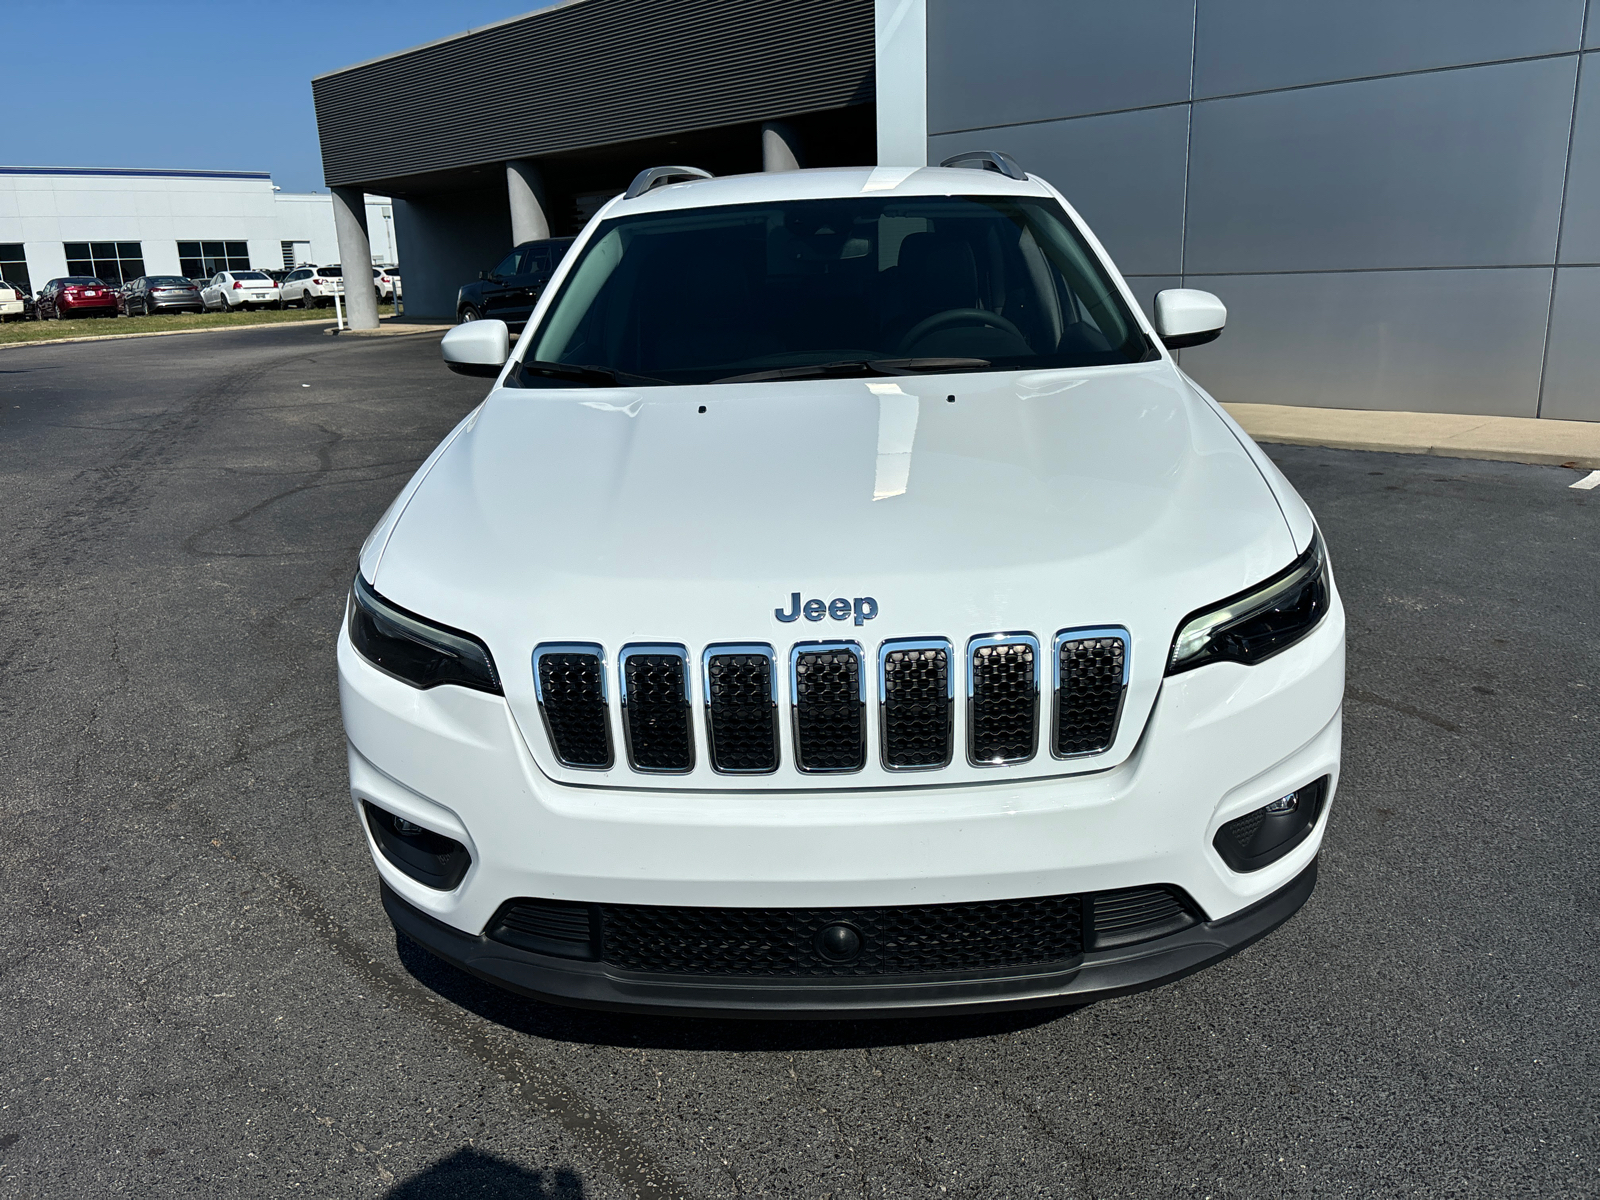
column 430, row 858
column 1262, row 837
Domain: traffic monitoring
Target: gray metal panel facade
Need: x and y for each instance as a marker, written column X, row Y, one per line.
column 1573, row 365
column 590, row 73
column 1260, row 45
column 1123, row 172
column 1438, row 169
column 1375, row 188
column 1580, row 223
column 1057, row 60
column 1419, row 341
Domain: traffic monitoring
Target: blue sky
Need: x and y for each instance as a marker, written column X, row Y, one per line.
column 85, row 73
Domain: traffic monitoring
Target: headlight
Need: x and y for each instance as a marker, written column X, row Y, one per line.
column 1256, row 624
column 415, row 651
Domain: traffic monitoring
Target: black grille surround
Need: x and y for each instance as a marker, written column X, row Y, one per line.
column 741, row 684
column 570, row 683
column 828, row 687
column 789, row 943
column 1002, row 699
column 657, row 728
column 916, row 694
column 1091, row 679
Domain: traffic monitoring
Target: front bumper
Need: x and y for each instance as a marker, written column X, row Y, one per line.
column 1096, row 975
column 1220, row 742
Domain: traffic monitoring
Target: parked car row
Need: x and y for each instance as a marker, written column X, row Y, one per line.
column 226, row 291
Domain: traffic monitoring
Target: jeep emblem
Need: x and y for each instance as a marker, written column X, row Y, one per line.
column 862, row 608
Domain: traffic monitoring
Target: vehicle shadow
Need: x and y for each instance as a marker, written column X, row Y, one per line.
column 594, row 1028
column 471, row 1172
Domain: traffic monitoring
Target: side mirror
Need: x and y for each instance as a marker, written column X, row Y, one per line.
column 1186, row 317
column 482, row 275
column 477, row 348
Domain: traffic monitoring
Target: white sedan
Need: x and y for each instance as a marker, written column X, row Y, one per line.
column 228, row 290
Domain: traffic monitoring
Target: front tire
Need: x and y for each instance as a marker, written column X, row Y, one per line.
column 468, row 313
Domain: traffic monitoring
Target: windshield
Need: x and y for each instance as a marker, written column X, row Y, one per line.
column 810, row 287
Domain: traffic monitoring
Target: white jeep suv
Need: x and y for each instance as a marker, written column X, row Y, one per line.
column 842, row 604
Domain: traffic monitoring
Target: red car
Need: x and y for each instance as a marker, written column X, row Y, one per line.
column 76, row 296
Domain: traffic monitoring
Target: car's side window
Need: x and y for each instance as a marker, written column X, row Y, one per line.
column 508, row 265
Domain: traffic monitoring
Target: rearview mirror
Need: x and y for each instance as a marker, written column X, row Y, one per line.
column 477, row 348
column 1187, row 317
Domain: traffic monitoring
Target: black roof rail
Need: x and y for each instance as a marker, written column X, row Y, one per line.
column 656, row 176
column 987, row 160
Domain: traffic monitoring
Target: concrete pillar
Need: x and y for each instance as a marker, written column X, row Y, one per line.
column 780, row 147
column 355, row 257
column 902, row 82
column 529, row 222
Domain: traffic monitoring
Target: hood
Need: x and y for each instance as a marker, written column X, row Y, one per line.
column 961, row 505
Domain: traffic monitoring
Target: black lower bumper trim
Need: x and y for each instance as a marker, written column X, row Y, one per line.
column 1096, row 975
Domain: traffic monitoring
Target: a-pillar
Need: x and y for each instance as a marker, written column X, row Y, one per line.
column 355, row 257
column 525, row 186
column 780, row 147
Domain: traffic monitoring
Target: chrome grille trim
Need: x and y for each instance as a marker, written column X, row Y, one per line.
column 801, row 750
column 885, row 737
column 576, row 649
column 740, row 650
column 1067, row 637
column 976, row 648
column 634, row 743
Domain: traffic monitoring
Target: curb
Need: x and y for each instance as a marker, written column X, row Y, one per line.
column 1535, row 440
column 123, row 337
column 388, row 331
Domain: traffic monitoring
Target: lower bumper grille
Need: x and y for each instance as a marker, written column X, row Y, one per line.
column 834, row 943
column 890, row 941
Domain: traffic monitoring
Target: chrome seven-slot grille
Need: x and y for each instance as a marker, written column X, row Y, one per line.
column 828, row 684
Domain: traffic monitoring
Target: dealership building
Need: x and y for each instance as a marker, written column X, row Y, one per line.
column 1399, row 203
column 117, row 223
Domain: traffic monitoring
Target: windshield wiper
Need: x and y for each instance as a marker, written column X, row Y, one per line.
column 604, row 376
column 851, row 368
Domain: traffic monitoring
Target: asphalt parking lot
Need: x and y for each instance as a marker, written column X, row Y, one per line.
column 200, row 995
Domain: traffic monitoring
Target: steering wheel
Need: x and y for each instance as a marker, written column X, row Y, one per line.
column 956, row 316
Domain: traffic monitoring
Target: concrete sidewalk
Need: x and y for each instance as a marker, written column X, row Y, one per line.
column 1447, row 435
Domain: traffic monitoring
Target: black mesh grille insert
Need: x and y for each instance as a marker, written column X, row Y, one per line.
column 656, row 709
column 1004, row 718
column 1139, row 914
column 573, row 695
column 916, row 707
column 1090, row 699
column 827, row 711
column 741, row 714
column 990, row 935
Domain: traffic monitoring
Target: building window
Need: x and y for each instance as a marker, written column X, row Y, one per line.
column 14, row 264
column 110, row 262
column 202, row 260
